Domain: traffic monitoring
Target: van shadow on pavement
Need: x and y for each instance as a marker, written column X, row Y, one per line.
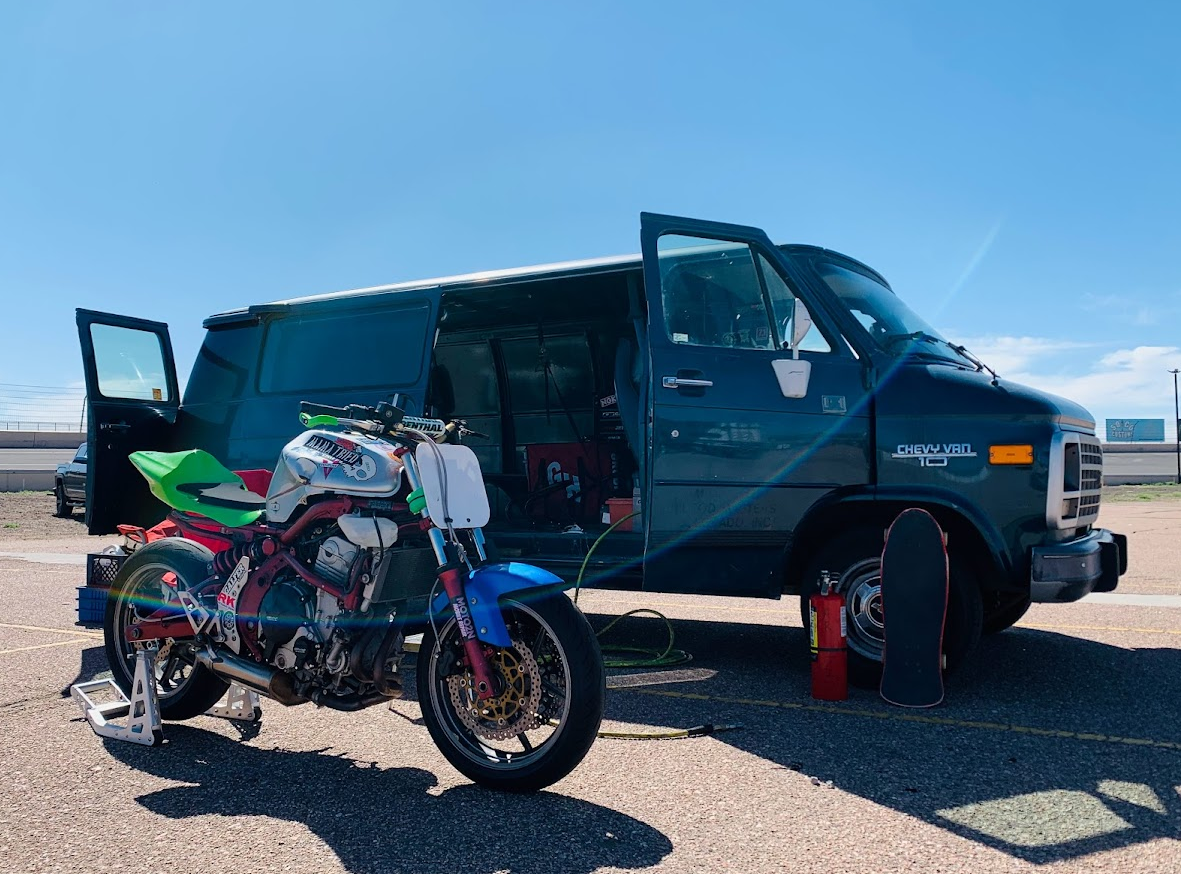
column 383, row 819
column 1037, row 798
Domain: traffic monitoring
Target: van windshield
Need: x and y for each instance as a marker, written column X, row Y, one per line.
column 894, row 327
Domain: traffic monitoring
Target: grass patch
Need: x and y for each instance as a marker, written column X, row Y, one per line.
column 1144, row 493
column 12, row 525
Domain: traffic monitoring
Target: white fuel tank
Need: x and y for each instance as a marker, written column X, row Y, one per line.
column 322, row 462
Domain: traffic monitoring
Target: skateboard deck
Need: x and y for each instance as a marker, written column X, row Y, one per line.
column 914, row 609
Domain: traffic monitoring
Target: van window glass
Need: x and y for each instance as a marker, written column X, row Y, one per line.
column 463, row 380
column 561, row 376
column 129, row 363
column 376, row 348
column 224, row 365
column 783, row 302
column 712, row 295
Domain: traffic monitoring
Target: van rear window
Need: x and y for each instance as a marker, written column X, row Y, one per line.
column 372, row 348
column 224, row 366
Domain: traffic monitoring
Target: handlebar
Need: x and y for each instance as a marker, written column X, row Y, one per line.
column 385, row 418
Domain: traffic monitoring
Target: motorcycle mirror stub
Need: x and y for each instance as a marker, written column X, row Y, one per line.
column 453, row 484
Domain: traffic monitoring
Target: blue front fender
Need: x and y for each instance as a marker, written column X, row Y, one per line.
column 486, row 585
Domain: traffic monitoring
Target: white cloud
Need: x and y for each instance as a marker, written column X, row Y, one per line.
column 1006, row 354
column 1126, row 383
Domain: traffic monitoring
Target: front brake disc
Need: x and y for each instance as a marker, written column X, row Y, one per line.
column 515, row 709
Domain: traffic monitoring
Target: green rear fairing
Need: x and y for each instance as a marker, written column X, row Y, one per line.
column 165, row 471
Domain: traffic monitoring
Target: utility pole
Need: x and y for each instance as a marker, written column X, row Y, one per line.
column 1177, row 423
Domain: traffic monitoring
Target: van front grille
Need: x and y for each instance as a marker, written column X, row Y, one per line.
column 1076, row 482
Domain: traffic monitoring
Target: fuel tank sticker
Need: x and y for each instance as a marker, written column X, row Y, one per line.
column 334, row 450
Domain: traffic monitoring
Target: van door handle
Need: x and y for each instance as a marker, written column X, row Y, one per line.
column 681, row 382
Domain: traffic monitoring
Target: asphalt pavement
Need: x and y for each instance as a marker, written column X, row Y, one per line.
column 1058, row 749
column 34, row 459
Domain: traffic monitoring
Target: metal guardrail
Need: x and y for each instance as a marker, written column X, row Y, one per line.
column 14, row 425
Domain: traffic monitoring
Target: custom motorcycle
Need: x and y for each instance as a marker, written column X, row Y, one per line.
column 369, row 532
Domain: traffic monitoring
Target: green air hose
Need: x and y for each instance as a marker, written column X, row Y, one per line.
column 632, row 656
column 639, row 657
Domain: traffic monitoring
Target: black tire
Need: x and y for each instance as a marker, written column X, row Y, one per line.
column 567, row 655
column 63, row 509
column 184, row 689
column 1005, row 613
column 855, row 557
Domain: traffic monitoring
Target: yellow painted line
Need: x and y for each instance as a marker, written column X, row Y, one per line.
column 999, row 727
column 788, row 613
column 42, row 645
column 54, row 630
column 785, row 611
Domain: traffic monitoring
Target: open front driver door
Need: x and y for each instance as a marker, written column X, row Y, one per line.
column 132, row 402
column 751, row 424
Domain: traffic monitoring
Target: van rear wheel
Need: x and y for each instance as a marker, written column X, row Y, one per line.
column 855, row 558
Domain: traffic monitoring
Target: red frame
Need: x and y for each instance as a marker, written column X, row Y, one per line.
column 165, row 623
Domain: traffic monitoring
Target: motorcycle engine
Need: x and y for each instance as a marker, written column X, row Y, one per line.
column 287, row 607
column 292, row 610
column 335, row 560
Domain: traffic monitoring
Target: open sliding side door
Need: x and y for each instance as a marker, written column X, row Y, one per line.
column 132, row 401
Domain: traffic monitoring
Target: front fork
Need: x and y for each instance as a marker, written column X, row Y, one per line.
column 451, row 575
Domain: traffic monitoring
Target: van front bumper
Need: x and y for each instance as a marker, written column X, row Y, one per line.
column 1072, row 570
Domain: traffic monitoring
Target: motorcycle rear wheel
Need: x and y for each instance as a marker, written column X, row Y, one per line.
column 554, row 691
column 184, row 689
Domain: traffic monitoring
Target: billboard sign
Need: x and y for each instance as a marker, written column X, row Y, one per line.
column 1135, row 430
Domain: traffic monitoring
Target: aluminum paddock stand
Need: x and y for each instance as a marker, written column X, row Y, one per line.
column 142, row 710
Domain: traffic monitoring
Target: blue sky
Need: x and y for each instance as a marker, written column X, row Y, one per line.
column 1012, row 168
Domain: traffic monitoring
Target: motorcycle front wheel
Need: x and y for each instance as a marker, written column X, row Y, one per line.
column 549, row 702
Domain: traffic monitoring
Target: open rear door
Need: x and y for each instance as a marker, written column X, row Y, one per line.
column 132, row 403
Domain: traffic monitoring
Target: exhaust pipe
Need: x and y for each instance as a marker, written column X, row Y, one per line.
column 266, row 681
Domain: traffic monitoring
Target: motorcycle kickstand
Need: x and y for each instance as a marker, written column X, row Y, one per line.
column 142, row 709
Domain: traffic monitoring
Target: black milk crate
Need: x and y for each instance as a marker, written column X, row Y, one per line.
column 102, row 568
column 92, row 604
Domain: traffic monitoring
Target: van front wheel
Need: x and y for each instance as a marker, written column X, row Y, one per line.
column 855, row 558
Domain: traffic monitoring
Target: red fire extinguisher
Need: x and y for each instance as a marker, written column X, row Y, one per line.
column 826, row 612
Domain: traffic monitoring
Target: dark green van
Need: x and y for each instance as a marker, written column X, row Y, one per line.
column 767, row 410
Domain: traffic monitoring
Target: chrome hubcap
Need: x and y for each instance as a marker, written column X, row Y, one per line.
column 862, row 587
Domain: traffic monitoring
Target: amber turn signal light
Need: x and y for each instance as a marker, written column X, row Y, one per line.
column 1022, row 454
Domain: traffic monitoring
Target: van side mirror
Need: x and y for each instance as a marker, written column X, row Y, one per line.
column 801, row 324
